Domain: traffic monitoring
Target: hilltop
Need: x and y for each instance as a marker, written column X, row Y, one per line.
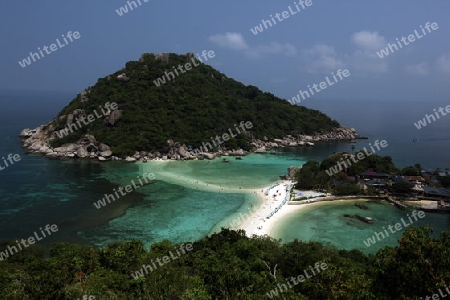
column 133, row 112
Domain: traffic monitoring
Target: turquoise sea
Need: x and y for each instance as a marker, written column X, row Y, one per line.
column 325, row 222
column 188, row 199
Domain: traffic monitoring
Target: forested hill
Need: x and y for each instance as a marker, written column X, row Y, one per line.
column 196, row 105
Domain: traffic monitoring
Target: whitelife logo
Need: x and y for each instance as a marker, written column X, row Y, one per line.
column 31, row 240
column 128, row 189
column 323, row 85
column 345, row 163
column 90, row 118
column 27, row 61
column 238, row 221
column 423, row 123
column 166, row 259
column 300, row 279
column 225, row 138
column 88, row 297
column 411, row 38
column 170, row 76
column 124, row 9
column 15, row 157
column 398, row 227
column 284, row 15
column 438, row 297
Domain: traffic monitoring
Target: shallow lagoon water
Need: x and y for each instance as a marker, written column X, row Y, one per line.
column 188, row 199
column 191, row 199
column 324, row 222
column 38, row 190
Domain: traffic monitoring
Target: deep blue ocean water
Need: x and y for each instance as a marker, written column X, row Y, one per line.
column 37, row 191
column 394, row 122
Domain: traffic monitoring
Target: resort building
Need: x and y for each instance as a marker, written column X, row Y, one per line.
column 429, row 191
column 370, row 175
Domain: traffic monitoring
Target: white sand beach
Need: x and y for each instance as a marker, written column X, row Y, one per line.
column 267, row 201
column 189, row 182
column 257, row 223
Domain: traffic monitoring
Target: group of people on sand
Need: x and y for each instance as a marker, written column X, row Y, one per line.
column 286, row 199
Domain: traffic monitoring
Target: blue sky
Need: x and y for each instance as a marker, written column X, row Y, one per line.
column 298, row 51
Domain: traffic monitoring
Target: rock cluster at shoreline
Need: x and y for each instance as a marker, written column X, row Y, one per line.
column 341, row 133
column 38, row 141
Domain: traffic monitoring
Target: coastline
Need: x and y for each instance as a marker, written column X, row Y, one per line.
column 254, row 219
column 258, row 223
column 38, row 141
column 251, row 216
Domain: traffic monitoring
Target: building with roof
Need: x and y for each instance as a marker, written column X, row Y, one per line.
column 444, row 173
column 429, row 191
column 373, row 175
column 414, row 179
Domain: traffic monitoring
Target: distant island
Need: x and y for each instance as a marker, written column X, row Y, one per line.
column 124, row 116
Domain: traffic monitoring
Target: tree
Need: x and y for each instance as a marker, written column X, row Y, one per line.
column 401, row 188
column 306, row 176
column 410, row 171
column 347, row 189
column 445, row 181
column 418, row 266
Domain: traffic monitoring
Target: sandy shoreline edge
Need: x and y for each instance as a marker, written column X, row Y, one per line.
column 252, row 215
column 255, row 222
column 253, row 211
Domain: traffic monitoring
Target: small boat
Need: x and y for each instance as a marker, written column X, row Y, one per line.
column 225, row 160
column 364, row 219
column 238, row 158
column 368, row 220
column 361, row 218
column 361, row 206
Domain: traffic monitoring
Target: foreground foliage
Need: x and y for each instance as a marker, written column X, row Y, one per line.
column 229, row 265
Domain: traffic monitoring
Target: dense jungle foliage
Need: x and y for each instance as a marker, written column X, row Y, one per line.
column 195, row 106
column 229, row 265
column 313, row 174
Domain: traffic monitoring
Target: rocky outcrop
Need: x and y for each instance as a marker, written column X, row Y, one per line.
column 75, row 116
column 208, row 155
column 113, row 117
column 291, row 172
column 82, row 152
column 261, row 149
column 239, row 152
column 341, row 133
column 123, row 77
column 87, row 147
column 164, row 57
column 39, row 140
column 106, row 153
column 84, row 97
